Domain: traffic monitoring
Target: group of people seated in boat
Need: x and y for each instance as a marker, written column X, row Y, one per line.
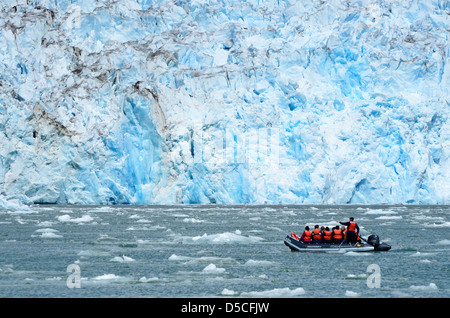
column 336, row 235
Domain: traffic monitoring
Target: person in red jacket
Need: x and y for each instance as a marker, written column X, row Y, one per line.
column 326, row 235
column 352, row 230
column 306, row 235
column 337, row 235
column 317, row 236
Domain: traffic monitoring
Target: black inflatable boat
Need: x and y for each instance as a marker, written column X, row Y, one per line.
column 370, row 245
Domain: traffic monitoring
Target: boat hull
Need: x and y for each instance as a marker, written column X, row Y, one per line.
column 299, row 246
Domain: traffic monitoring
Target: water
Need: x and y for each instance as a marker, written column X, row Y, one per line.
column 217, row 251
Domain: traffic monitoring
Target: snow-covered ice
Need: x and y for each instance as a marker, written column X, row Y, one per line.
column 224, row 101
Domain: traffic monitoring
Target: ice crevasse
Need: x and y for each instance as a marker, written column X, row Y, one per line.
column 224, row 101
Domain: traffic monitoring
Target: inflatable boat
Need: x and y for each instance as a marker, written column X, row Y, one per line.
column 370, row 245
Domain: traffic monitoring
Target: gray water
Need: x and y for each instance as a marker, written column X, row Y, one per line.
column 218, row 251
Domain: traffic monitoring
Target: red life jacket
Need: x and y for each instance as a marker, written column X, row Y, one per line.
column 352, row 226
column 345, row 235
column 337, row 234
column 327, row 235
column 316, row 234
column 307, row 236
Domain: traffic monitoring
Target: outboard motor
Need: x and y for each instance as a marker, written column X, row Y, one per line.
column 374, row 240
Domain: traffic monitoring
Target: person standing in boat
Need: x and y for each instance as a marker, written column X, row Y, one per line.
column 352, row 230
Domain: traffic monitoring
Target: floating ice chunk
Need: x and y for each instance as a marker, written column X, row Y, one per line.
column 356, row 276
column 350, row 293
column 106, row 237
column 252, row 262
column 430, row 287
column 388, row 217
column 49, row 230
column 50, row 235
column 380, row 212
column 192, row 220
column 228, row 292
column 422, row 254
column 180, row 215
column 276, row 293
column 213, row 269
column 443, row 224
column 226, row 237
column 67, row 219
column 174, row 257
column 147, row 280
column 143, row 221
column 106, row 278
column 425, row 261
column 140, row 241
column 122, row 259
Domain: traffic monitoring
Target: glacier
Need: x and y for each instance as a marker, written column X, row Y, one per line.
column 224, row 101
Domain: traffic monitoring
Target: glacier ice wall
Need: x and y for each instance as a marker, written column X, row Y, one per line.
column 224, row 101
